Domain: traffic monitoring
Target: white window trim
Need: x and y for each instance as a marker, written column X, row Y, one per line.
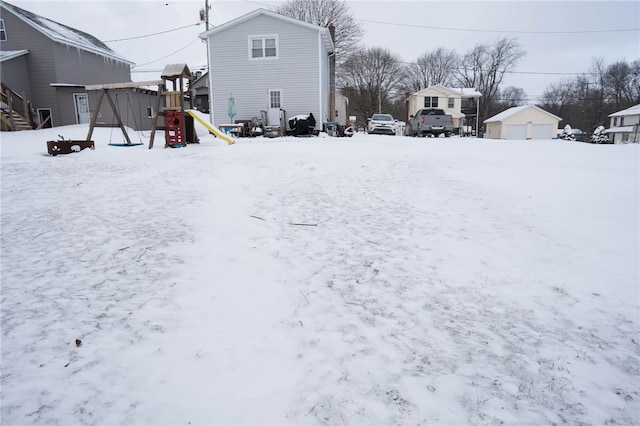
column 3, row 31
column 263, row 37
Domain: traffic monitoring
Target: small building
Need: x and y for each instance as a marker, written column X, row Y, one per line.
column 624, row 126
column 522, row 122
column 275, row 67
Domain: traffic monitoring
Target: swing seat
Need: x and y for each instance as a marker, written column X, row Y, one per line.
column 125, row 144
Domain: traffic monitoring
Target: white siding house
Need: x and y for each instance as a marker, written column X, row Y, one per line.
column 270, row 64
column 624, row 126
column 522, row 122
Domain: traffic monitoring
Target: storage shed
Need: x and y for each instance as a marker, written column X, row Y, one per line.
column 522, row 122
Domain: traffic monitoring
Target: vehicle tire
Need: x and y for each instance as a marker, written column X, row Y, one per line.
column 447, row 135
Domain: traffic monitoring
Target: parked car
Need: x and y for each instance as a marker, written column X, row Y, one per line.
column 382, row 123
column 430, row 122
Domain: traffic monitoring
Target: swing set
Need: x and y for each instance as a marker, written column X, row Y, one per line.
column 105, row 93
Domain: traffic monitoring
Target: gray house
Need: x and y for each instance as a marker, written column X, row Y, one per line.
column 45, row 66
column 273, row 66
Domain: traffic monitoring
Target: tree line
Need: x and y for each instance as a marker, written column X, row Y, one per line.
column 377, row 80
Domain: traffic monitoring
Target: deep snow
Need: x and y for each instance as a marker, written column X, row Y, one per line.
column 370, row 280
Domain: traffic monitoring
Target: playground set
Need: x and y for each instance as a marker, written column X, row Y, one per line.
column 179, row 127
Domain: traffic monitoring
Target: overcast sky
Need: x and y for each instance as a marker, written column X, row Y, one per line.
column 561, row 38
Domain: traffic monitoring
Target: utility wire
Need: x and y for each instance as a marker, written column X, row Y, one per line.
column 150, row 35
column 499, row 31
column 164, row 57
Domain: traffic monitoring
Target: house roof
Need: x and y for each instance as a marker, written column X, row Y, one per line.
column 324, row 32
column 634, row 110
column 5, row 55
column 623, row 129
column 463, row 92
column 467, row 92
column 63, row 34
column 516, row 110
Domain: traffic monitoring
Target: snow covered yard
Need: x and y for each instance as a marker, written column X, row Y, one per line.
column 373, row 280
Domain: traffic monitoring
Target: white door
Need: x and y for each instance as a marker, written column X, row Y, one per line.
column 516, row 131
column 542, row 131
column 82, row 107
column 275, row 102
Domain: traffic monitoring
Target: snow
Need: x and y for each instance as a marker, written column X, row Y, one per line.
column 366, row 280
column 64, row 34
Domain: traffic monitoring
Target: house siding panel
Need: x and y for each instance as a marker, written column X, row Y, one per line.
column 295, row 71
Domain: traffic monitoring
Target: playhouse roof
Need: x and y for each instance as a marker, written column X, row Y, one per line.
column 63, row 34
column 175, row 70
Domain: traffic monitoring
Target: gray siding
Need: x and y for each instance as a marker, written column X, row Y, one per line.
column 132, row 105
column 13, row 73
column 296, row 71
column 49, row 62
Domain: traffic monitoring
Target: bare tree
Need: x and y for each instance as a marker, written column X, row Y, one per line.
column 324, row 12
column 512, row 96
column 370, row 78
column 618, row 84
column 484, row 68
column 436, row 67
column 586, row 100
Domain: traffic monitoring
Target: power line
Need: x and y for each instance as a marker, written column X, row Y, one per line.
column 499, row 31
column 164, row 57
column 150, row 35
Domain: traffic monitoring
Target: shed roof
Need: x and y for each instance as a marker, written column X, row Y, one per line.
column 634, row 110
column 516, row 110
column 63, row 34
column 324, row 31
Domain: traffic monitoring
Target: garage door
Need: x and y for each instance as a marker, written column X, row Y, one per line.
column 516, row 131
column 542, row 131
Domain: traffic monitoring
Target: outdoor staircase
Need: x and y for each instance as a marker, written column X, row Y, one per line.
column 12, row 121
column 15, row 111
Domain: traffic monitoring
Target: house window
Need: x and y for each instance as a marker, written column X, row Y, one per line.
column 450, row 103
column 150, row 111
column 431, row 102
column 621, row 121
column 3, row 31
column 261, row 47
column 274, row 99
column 615, row 121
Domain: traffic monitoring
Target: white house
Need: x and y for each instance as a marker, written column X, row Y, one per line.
column 522, row 122
column 273, row 66
column 624, row 125
column 454, row 101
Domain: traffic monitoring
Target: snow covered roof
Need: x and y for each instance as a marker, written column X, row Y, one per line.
column 5, row 55
column 63, row 34
column 623, row 129
column 634, row 110
column 464, row 92
column 324, row 31
column 176, row 70
column 515, row 110
column 467, row 92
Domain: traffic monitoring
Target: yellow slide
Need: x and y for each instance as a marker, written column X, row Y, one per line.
column 213, row 129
